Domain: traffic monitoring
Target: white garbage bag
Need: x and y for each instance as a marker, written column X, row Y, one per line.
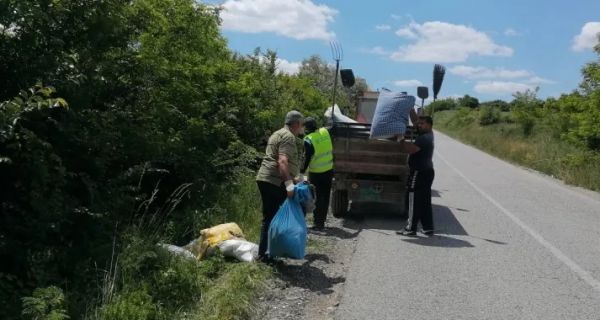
column 240, row 249
column 179, row 251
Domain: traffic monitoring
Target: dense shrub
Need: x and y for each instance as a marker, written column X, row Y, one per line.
column 489, row 115
column 162, row 122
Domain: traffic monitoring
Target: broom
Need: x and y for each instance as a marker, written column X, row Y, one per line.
column 438, row 77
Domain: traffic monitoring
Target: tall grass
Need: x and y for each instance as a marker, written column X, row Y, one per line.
column 541, row 150
column 146, row 282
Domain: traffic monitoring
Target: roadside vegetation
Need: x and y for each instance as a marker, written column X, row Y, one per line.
column 124, row 124
column 558, row 136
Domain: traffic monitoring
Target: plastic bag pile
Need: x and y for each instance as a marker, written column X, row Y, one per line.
column 287, row 232
column 227, row 238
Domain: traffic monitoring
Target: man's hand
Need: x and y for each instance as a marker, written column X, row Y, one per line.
column 410, row 148
column 301, row 178
column 289, row 188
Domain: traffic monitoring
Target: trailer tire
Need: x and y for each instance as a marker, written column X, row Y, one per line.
column 339, row 203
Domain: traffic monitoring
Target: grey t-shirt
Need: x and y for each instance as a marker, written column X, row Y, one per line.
column 423, row 159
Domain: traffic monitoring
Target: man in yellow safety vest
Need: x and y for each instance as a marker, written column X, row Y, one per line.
column 318, row 160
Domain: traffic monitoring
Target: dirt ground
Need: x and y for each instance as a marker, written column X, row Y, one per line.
column 312, row 288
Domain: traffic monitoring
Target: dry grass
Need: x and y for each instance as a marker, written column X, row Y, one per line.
column 540, row 151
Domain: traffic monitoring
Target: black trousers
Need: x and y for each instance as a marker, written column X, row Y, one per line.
column 272, row 197
column 418, row 199
column 322, row 183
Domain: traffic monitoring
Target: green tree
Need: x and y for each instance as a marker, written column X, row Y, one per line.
column 498, row 104
column 526, row 108
column 156, row 101
column 443, row 104
column 322, row 76
column 468, row 102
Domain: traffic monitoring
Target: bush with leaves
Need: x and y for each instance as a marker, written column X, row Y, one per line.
column 442, row 105
column 526, row 109
column 489, row 115
column 45, row 304
column 156, row 102
column 468, row 102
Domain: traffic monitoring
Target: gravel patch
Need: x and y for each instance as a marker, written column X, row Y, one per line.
column 312, row 288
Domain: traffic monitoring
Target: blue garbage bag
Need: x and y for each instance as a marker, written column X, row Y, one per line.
column 391, row 114
column 287, row 232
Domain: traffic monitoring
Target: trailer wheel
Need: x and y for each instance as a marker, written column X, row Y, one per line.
column 339, row 203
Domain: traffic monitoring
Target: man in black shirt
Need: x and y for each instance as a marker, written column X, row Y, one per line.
column 418, row 195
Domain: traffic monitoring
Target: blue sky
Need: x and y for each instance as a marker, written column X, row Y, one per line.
column 490, row 48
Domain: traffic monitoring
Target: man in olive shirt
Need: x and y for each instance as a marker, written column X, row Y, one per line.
column 275, row 177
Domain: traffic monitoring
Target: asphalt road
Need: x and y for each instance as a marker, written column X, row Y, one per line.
column 512, row 244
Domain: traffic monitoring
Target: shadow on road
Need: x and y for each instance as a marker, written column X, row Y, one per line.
column 443, row 218
column 311, row 257
column 339, row 233
column 308, row 276
column 445, row 222
column 439, row 241
column 388, row 222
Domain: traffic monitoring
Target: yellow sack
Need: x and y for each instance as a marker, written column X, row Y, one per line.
column 211, row 237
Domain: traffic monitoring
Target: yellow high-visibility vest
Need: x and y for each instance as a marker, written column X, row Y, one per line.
column 322, row 160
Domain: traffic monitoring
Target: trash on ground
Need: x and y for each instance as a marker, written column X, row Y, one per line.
column 240, row 249
column 287, row 232
column 211, row 237
column 178, row 251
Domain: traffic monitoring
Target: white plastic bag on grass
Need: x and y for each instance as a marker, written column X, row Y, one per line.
column 179, row 251
column 240, row 249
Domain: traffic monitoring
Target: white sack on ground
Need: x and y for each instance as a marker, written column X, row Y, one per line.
column 240, row 249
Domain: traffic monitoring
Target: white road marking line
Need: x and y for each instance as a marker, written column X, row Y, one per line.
column 583, row 274
column 540, row 176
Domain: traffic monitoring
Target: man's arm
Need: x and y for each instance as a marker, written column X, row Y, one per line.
column 283, row 166
column 410, row 148
column 284, row 171
column 414, row 117
column 309, row 151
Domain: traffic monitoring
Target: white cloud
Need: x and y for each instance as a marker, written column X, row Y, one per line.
column 438, row 41
column 396, row 16
column 407, row 32
column 454, row 96
column 483, row 72
column 288, row 67
column 501, row 87
column 510, row 32
column 378, row 51
column 383, row 27
column 297, row 19
column 283, row 65
column 408, row 83
column 539, row 80
column 588, row 37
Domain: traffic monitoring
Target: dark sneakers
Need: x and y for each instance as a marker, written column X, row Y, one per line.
column 407, row 232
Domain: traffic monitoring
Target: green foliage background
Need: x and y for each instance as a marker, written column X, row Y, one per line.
column 558, row 136
column 125, row 123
